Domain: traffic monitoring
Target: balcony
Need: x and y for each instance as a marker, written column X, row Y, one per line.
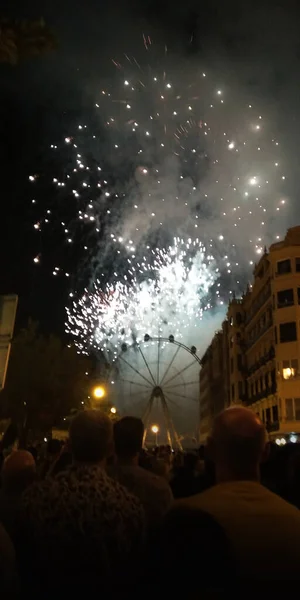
column 262, row 361
column 257, row 304
column 270, row 390
column 260, row 333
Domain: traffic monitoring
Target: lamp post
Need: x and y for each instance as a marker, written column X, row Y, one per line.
column 98, row 392
column 155, row 430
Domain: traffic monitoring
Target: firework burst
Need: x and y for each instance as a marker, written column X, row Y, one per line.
column 164, row 297
column 165, row 157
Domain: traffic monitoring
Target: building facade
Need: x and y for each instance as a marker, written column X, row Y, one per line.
column 261, row 345
column 214, row 383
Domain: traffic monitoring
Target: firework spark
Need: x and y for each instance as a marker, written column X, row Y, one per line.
column 163, row 298
column 166, row 157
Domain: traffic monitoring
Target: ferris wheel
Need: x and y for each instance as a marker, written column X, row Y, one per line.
column 158, row 380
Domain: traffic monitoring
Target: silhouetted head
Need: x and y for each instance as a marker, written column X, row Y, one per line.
column 128, row 436
column 91, row 437
column 18, row 471
column 53, row 448
column 237, row 444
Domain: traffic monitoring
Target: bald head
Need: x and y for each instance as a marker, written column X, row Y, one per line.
column 18, row 471
column 91, row 436
column 237, row 442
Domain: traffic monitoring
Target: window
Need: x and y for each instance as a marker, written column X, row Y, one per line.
column 231, row 365
column 292, row 407
column 288, row 332
column 289, row 409
column 284, row 266
column 239, row 362
column 268, row 415
column 298, row 294
column 232, row 392
column 273, row 376
column 297, row 408
column 275, row 413
column 241, row 391
column 285, row 298
column 238, row 318
column 297, row 261
column 266, row 380
column 289, row 368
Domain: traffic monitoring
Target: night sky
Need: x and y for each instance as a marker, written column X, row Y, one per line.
column 256, row 44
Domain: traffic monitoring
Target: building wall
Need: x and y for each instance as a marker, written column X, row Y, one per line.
column 213, row 382
column 255, row 359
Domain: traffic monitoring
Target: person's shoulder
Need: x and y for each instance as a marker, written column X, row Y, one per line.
column 120, row 495
column 285, row 506
column 158, row 484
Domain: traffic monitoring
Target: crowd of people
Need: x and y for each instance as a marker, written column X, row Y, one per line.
column 103, row 515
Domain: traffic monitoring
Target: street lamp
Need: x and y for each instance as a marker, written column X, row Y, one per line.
column 98, row 392
column 113, row 410
column 155, row 430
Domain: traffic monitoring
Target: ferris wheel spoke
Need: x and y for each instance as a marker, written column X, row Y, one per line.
column 134, row 383
column 147, row 365
column 169, row 366
column 181, row 371
column 158, row 350
column 135, row 370
column 141, row 394
column 168, row 387
column 171, row 401
column 185, row 396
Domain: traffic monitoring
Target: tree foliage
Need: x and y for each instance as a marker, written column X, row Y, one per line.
column 24, row 39
column 45, row 380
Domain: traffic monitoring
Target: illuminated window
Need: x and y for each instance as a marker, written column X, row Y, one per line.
column 289, row 368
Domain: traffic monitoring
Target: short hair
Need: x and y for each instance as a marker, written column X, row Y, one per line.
column 91, row 436
column 18, row 471
column 240, row 439
column 128, row 436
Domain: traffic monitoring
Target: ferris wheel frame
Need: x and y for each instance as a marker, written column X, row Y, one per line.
column 155, row 383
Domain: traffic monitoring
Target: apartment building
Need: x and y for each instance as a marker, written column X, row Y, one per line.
column 262, row 348
column 214, row 383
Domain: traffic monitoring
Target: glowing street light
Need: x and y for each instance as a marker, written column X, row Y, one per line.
column 113, row 410
column 98, row 392
column 155, row 430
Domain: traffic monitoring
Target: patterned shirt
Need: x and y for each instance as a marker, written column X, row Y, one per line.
column 81, row 527
column 153, row 491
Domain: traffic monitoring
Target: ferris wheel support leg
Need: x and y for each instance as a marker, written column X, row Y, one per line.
column 171, row 432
